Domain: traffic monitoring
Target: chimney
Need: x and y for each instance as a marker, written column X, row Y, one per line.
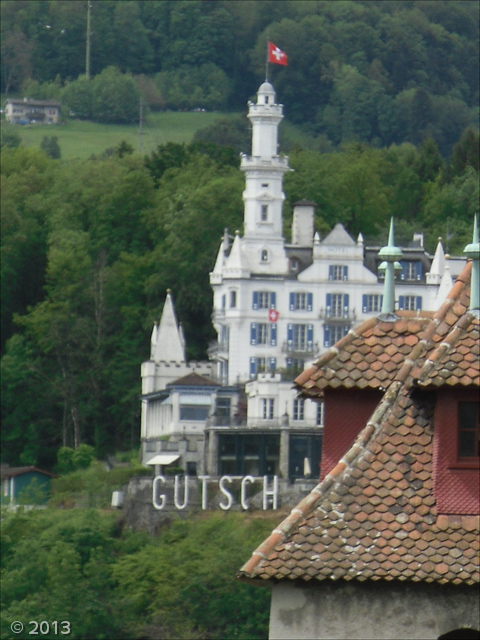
column 303, row 225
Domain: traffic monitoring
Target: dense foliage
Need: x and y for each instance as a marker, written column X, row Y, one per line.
column 364, row 70
column 90, row 247
column 130, row 585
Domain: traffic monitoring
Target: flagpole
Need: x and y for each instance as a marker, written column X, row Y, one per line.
column 266, row 64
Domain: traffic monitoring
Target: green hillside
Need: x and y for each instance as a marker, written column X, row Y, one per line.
column 82, row 139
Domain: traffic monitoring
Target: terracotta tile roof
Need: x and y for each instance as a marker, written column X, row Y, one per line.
column 374, row 516
column 369, row 356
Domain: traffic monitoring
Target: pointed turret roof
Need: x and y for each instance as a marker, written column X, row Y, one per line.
column 169, row 346
column 438, row 265
column 446, row 284
column 234, row 266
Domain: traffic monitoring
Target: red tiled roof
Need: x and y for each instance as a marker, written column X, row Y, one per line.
column 374, row 515
column 193, row 380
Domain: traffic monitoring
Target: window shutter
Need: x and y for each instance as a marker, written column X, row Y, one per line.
column 404, row 270
column 346, row 302
column 419, row 270
column 272, row 364
column 345, row 273
column 418, row 303
column 273, row 300
column 289, row 363
column 253, row 333
column 310, row 337
column 401, row 302
column 346, row 329
column 309, row 301
column 273, row 334
column 253, row 367
column 330, row 272
column 292, row 301
column 328, row 305
column 365, row 303
column 289, row 336
column 255, row 300
column 326, row 335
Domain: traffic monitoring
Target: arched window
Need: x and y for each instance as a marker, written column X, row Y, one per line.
column 264, row 255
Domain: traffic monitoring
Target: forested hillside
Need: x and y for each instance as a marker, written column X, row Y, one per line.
column 89, row 248
column 385, row 92
column 83, row 566
column 372, row 71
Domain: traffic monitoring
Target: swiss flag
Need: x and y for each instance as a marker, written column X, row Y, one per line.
column 276, row 55
column 273, row 315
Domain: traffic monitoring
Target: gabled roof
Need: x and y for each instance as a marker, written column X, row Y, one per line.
column 10, row 472
column 33, row 102
column 193, row 380
column 374, row 516
column 339, row 236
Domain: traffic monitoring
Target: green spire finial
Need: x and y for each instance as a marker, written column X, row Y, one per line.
column 390, row 254
column 472, row 251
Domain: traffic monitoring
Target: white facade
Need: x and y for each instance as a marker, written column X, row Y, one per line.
column 276, row 307
column 29, row 111
column 317, row 289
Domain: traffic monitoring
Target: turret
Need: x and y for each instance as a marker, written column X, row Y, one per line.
column 264, row 169
column 390, row 254
column 472, row 251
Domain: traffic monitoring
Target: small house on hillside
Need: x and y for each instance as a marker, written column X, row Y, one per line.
column 25, row 483
column 28, row 111
column 387, row 544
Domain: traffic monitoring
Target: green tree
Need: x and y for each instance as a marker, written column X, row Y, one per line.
column 10, row 138
column 234, row 132
column 465, row 153
column 51, row 147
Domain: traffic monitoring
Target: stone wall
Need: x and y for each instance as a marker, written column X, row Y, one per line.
column 371, row 610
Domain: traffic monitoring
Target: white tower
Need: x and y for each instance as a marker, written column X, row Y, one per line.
column 263, row 195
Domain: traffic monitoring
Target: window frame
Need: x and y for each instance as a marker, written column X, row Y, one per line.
column 475, row 430
column 268, row 408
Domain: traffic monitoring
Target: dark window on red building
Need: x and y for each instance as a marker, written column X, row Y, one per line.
column 468, row 430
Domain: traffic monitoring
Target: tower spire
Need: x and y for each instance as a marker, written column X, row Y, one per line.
column 472, row 251
column 390, row 254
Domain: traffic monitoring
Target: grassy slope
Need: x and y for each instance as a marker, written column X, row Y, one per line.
column 81, row 139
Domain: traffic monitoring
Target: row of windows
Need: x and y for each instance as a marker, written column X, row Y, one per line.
column 336, row 304
column 259, row 454
column 300, row 337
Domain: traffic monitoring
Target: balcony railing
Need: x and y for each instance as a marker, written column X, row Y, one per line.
column 259, row 423
column 217, row 348
column 337, row 315
column 292, row 346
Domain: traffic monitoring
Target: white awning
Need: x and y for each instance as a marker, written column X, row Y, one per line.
column 195, row 399
column 164, row 458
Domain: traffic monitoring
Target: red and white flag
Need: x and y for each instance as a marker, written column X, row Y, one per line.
column 273, row 315
column 276, row 55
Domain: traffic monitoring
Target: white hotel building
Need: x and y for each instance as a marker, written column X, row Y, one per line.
column 276, row 307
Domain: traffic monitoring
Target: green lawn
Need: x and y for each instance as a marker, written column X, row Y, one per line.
column 81, row 139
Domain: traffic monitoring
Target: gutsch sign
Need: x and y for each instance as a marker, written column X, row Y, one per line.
column 269, row 491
